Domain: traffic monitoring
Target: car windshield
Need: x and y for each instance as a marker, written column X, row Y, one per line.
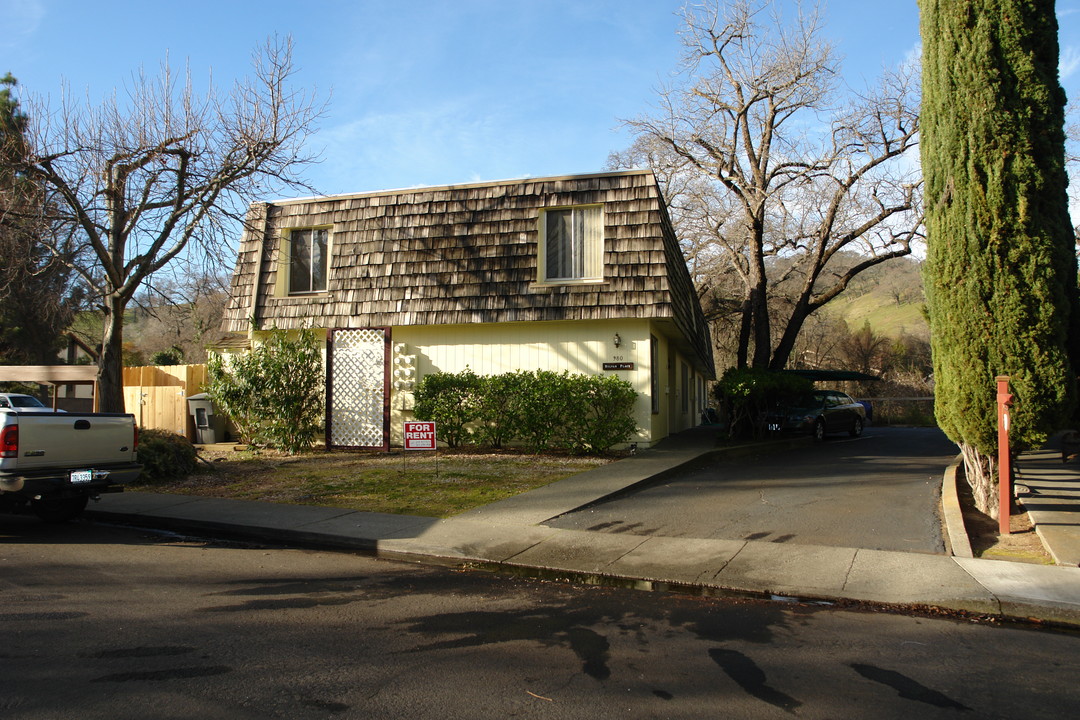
column 810, row 400
column 25, row 401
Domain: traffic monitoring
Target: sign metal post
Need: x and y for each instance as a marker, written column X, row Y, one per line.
column 420, row 435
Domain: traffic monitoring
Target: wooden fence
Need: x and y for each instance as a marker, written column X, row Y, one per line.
column 157, row 396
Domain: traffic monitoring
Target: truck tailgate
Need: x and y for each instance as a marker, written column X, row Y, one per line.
column 74, row 439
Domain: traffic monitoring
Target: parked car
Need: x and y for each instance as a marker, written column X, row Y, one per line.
column 820, row 412
column 23, row 403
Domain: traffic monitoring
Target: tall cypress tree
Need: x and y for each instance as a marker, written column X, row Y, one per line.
column 1001, row 271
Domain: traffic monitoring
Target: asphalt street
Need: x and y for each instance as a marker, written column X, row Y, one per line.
column 111, row 623
column 879, row 492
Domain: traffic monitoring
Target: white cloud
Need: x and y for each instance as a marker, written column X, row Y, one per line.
column 444, row 143
column 21, row 21
column 1069, row 62
column 914, row 55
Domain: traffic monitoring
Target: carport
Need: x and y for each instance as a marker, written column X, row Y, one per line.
column 52, row 375
column 832, row 375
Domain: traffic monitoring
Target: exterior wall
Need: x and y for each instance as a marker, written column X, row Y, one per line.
column 575, row 347
column 572, row 346
column 680, row 401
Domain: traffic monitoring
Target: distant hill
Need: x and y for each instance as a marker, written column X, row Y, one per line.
column 889, row 296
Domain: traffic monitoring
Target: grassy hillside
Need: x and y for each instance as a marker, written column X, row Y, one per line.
column 889, row 297
column 885, row 316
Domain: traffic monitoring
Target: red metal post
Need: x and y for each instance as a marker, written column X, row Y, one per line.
column 1004, row 402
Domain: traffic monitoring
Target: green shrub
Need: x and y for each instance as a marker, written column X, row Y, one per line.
column 165, row 455
column 540, row 409
column 600, row 413
column 274, row 394
column 167, row 357
column 497, row 409
column 449, row 399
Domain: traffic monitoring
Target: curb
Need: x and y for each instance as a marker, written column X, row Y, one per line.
column 954, row 516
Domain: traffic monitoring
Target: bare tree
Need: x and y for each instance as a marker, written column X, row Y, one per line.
column 179, row 317
column 780, row 169
column 164, row 172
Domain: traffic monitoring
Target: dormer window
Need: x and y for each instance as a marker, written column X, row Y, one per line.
column 308, row 257
column 572, row 244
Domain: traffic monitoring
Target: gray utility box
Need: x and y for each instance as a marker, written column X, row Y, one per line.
column 209, row 426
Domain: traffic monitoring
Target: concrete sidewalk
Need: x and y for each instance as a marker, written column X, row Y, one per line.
column 509, row 535
column 1050, row 491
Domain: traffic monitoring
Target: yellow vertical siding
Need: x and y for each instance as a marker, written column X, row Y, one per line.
column 572, row 346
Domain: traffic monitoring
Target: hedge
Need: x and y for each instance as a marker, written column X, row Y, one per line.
column 541, row 410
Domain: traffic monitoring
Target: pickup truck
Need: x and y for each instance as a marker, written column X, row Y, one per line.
column 55, row 462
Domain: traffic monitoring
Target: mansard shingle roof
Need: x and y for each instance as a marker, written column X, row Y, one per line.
column 468, row 254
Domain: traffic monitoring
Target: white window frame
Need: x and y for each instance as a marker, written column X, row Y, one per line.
column 286, row 268
column 589, row 247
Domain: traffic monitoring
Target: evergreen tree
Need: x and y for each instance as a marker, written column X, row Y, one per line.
column 1000, row 271
column 36, row 298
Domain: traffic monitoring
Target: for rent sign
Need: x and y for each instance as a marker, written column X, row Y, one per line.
column 419, row 435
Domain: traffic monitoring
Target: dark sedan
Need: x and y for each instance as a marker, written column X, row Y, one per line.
column 820, row 412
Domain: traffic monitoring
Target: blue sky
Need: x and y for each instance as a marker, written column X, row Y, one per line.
column 428, row 92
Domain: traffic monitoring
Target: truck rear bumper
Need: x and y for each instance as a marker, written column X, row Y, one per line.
column 70, row 481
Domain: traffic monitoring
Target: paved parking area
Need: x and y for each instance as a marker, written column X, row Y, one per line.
column 878, row 492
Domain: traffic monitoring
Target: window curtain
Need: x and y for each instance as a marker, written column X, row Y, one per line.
column 307, row 264
column 574, row 244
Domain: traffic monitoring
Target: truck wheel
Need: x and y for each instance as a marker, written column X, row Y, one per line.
column 59, row 510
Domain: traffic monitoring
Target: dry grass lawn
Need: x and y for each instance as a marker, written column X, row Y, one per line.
column 416, row 483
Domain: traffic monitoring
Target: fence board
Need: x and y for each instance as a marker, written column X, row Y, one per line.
column 157, row 396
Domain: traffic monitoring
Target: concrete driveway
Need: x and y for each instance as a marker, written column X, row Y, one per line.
column 878, row 492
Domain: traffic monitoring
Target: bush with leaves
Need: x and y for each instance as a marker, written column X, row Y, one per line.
column 173, row 356
column 748, row 394
column 274, row 394
column 541, row 409
column 449, row 399
column 165, row 455
column 497, row 409
column 600, row 413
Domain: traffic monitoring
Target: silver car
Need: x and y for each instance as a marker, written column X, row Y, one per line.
column 22, row 403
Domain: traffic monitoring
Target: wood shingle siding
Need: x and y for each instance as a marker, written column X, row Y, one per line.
column 469, row 254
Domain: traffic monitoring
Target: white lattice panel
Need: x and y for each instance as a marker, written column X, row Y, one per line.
column 358, row 391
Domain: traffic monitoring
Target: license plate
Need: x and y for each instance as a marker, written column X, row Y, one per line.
column 774, row 427
column 82, row 476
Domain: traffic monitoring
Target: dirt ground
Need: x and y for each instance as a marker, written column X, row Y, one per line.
column 1022, row 544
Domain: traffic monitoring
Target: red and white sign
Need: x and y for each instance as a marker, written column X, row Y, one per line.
column 419, row 435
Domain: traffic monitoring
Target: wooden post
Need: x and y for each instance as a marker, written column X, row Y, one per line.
column 1004, row 402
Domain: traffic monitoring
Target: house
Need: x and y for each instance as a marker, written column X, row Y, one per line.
column 580, row 273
